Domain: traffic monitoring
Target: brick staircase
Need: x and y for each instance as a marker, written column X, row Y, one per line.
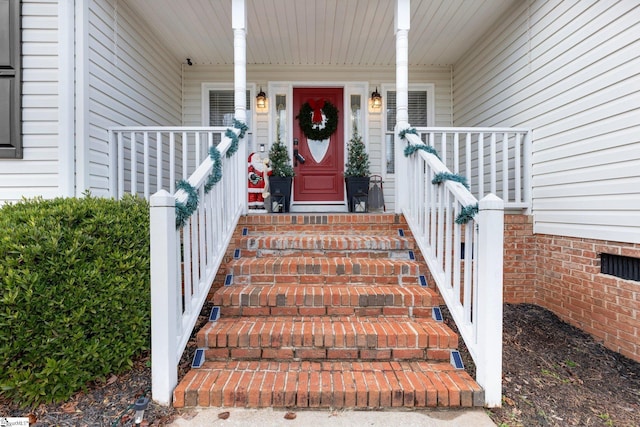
column 326, row 311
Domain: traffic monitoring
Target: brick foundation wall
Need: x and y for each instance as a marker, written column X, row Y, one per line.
column 519, row 259
column 563, row 275
column 569, row 283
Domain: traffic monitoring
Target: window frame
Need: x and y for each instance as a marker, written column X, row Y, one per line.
column 251, row 112
column 429, row 88
column 12, row 72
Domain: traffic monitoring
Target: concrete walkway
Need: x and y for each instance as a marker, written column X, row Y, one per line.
column 239, row 417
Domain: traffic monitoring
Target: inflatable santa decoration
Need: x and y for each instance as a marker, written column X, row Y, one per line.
column 258, row 175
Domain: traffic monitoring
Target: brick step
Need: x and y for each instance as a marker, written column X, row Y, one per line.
column 326, row 245
column 333, row 300
column 315, row 270
column 327, row 385
column 319, row 338
column 325, row 223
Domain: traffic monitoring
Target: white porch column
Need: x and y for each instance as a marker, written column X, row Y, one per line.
column 239, row 25
column 402, row 25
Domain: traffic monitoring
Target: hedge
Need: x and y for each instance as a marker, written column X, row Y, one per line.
column 74, row 294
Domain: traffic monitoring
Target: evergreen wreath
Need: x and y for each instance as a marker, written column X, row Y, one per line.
column 310, row 128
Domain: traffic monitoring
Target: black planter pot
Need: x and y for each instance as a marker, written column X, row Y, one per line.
column 280, row 189
column 357, row 193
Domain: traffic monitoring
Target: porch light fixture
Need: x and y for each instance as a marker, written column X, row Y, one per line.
column 261, row 100
column 376, row 100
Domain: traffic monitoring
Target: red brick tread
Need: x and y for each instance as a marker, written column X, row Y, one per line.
column 328, row 385
column 316, row 337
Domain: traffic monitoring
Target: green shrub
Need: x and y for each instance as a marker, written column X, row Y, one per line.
column 74, row 294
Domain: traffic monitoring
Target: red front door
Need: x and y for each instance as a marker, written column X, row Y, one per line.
column 320, row 178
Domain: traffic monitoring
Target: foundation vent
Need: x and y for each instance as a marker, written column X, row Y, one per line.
column 620, row 266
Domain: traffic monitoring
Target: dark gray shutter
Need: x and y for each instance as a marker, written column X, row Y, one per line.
column 10, row 87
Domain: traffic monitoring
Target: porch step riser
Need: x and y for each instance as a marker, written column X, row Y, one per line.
column 419, row 312
column 307, row 270
column 327, row 338
column 327, row 243
column 353, row 254
column 333, row 300
column 324, row 224
column 328, row 385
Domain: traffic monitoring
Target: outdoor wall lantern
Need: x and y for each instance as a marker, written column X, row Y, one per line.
column 376, row 100
column 261, row 100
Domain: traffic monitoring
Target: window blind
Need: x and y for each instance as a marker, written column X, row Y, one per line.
column 222, row 107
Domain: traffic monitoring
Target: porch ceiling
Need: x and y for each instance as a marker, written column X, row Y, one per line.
column 319, row 32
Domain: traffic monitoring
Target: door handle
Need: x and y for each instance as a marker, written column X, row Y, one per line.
column 298, row 157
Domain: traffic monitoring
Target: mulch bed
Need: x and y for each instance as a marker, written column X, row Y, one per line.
column 554, row 375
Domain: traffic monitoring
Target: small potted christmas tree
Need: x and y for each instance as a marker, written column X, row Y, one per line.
column 281, row 175
column 356, row 174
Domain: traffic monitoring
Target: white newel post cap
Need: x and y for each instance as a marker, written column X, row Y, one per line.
column 491, row 202
column 162, row 199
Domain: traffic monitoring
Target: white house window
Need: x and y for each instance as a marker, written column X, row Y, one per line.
column 356, row 115
column 10, row 88
column 220, row 109
column 420, row 116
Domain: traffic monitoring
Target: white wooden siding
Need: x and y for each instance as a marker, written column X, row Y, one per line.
column 261, row 75
column 36, row 174
column 132, row 80
column 570, row 70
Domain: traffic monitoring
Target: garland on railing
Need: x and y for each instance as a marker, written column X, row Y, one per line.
column 447, row 176
column 403, row 133
column 466, row 214
column 242, row 127
column 216, row 172
column 186, row 209
column 229, row 133
column 234, row 142
column 410, row 149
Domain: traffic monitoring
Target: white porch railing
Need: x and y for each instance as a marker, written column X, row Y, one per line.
column 494, row 160
column 163, row 156
column 465, row 259
column 184, row 261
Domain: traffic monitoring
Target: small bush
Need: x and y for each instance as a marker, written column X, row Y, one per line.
column 74, row 294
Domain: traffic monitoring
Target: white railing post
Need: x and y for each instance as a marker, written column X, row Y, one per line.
column 164, row 297
column 113, row 166
column 488, row 307
column 526, row 170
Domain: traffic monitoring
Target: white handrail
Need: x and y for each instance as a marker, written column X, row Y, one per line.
column 184, row 261
column 163, row 155
column 465, row 259
column 504, row 153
